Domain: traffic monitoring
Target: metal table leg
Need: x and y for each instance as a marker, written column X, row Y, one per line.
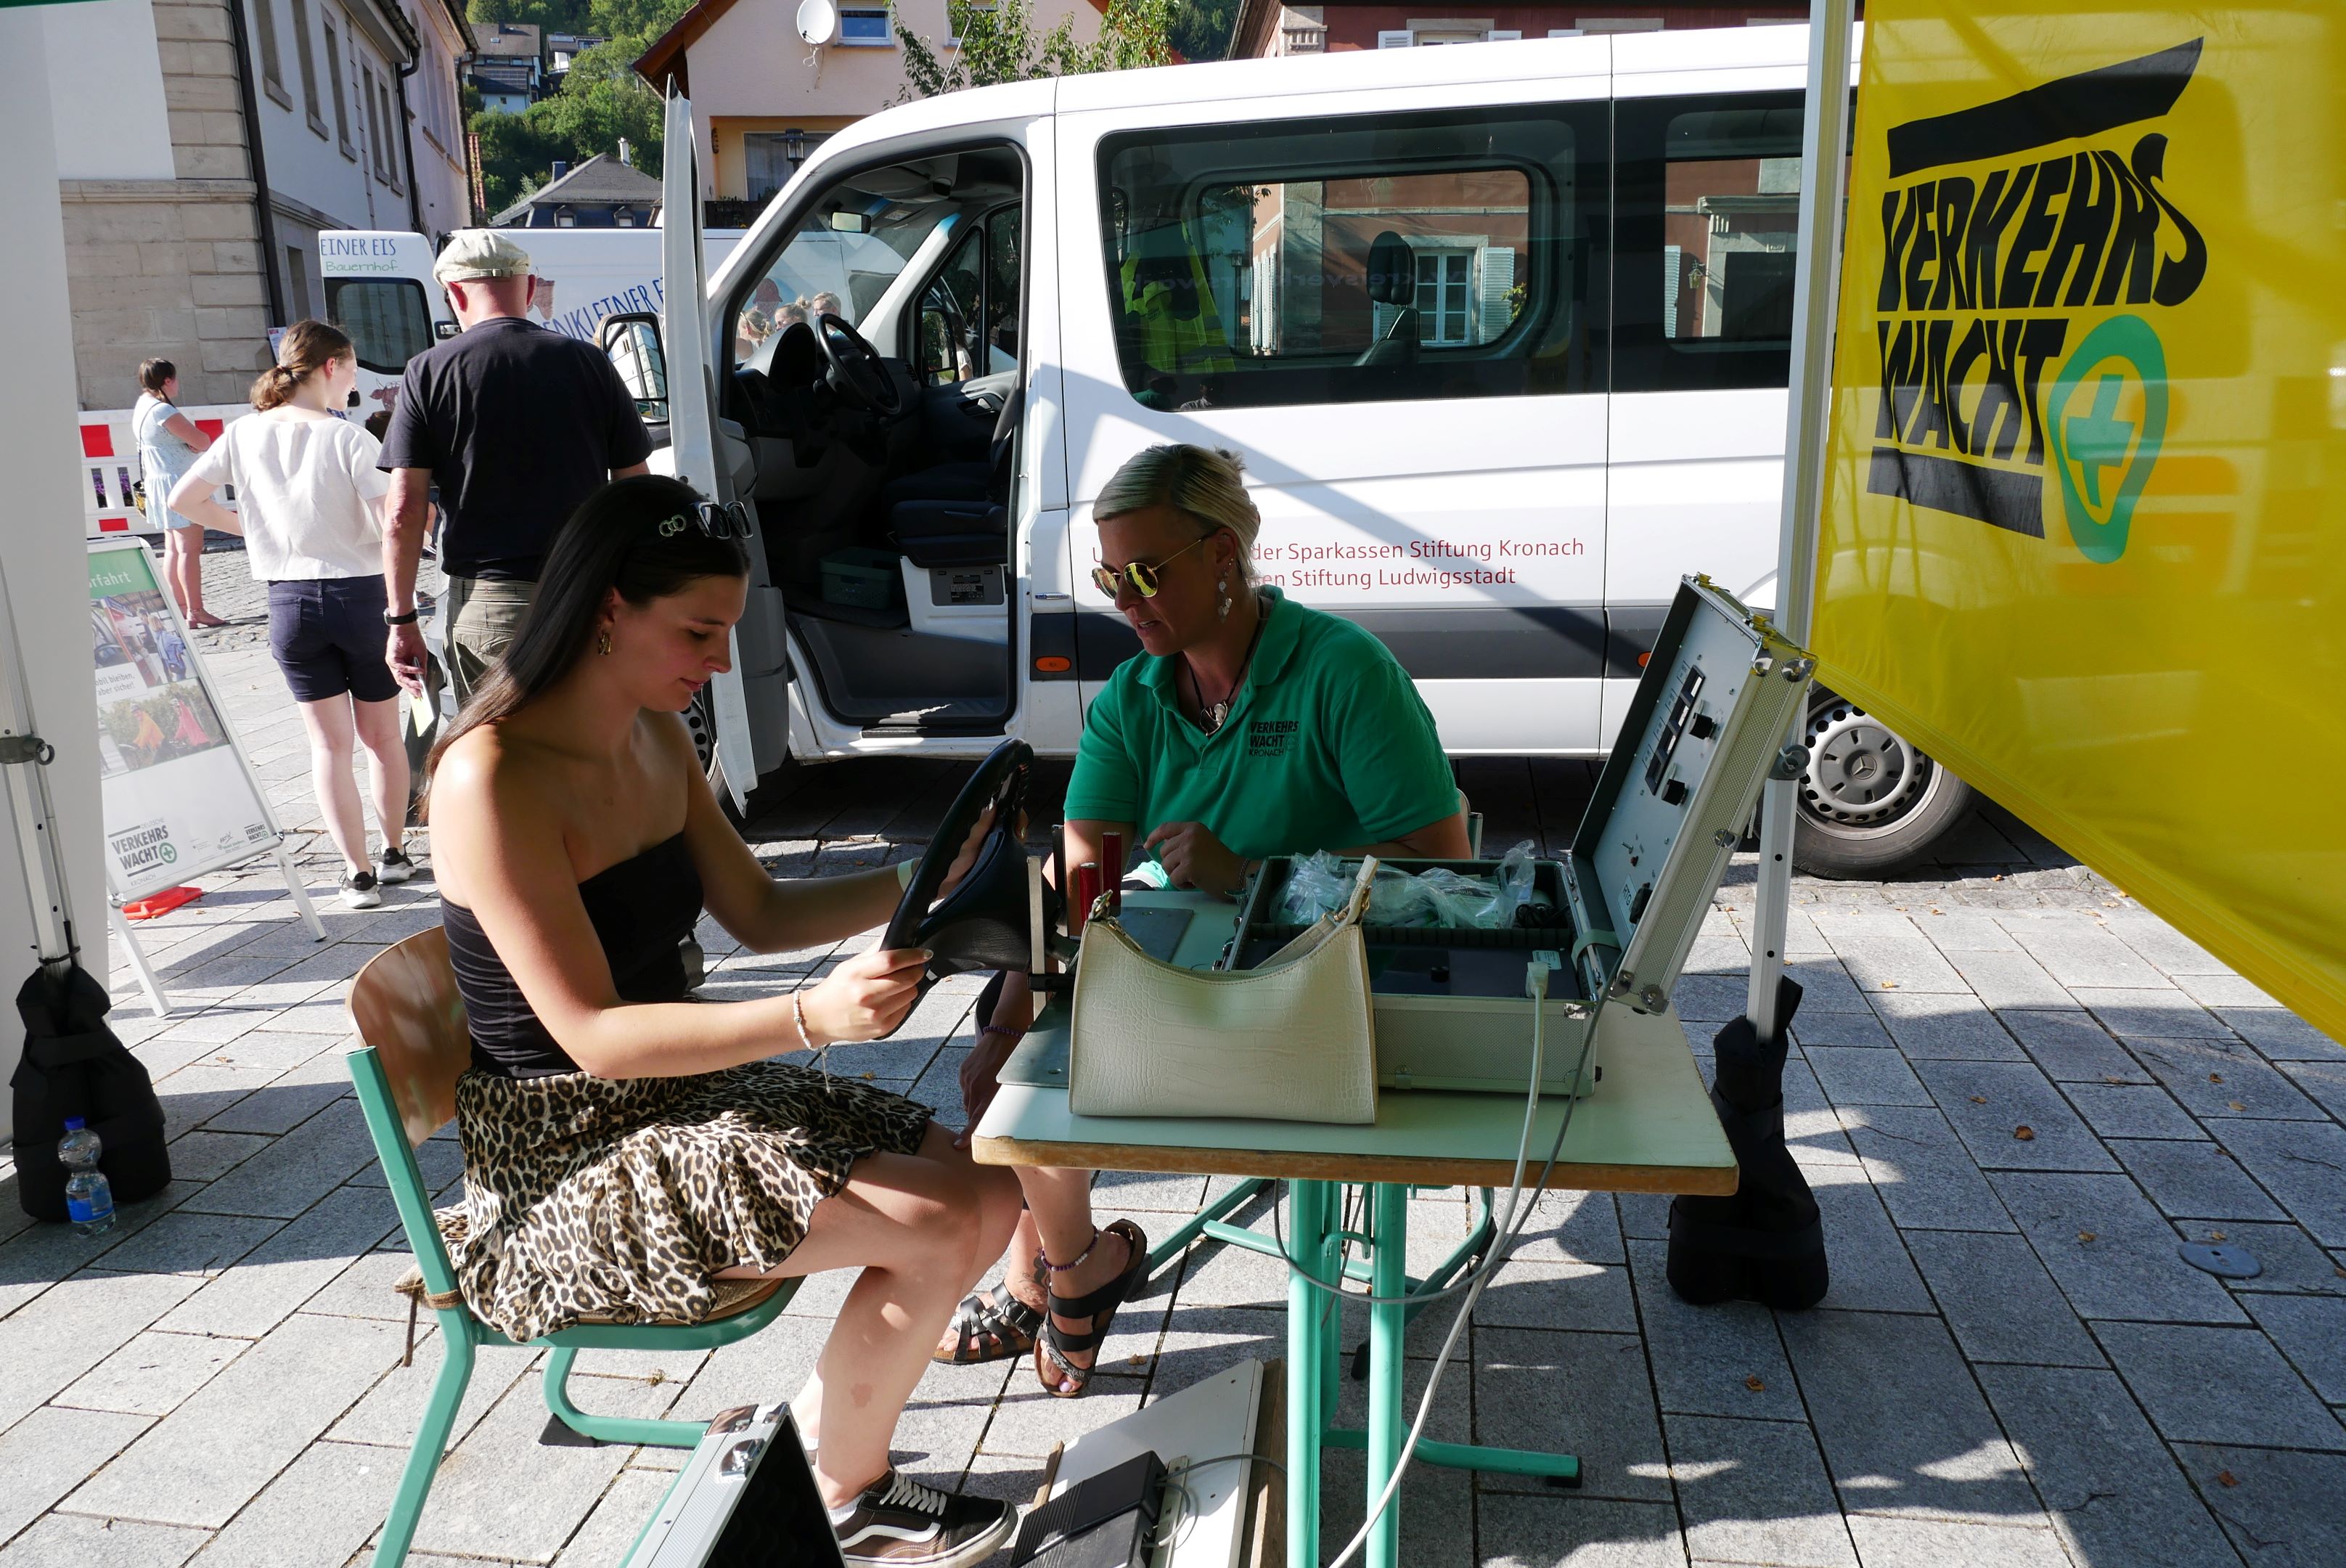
column 1307, row 1352
column 1389, row 1226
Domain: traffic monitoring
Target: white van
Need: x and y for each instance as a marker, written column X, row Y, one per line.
column 1502, row 332
column 380, row 289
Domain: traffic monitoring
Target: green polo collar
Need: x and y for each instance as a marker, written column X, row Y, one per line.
column 1281, row 628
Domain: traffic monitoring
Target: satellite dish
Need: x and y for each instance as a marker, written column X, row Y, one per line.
column 818, row 21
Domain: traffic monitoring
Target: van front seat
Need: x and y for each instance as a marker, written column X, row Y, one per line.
column 967, row 529
column 1393, row 281
column 961, row 480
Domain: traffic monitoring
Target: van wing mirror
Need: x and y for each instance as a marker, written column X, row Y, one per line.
column 444, row 330
column 631, row 341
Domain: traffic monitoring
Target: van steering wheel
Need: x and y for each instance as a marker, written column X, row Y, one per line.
column 857, row 375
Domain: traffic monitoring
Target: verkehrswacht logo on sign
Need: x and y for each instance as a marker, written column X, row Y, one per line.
column 1988, row 277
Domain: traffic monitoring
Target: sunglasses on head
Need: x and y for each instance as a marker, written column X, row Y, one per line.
column 717, row 519
column 1141, row 573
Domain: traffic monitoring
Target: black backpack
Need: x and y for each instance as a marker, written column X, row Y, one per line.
column 74, row 1066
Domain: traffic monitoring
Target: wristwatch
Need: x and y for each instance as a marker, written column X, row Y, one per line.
column 407, row 620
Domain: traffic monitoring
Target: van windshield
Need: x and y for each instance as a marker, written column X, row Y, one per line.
column 842, row 260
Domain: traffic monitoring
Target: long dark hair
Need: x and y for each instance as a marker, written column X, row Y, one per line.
column 613, row 540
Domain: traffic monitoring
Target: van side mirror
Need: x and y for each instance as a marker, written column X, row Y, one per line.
column 444, row 330
column 631, row 341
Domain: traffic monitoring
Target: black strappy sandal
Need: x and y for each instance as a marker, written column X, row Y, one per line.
column 990, row 1326
column 1056, row 1344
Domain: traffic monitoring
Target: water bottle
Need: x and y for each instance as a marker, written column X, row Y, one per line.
column 89, row 1198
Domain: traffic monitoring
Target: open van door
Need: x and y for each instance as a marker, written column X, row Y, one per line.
column 701, row 450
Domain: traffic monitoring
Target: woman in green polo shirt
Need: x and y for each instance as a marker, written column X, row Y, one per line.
column 1248, row 725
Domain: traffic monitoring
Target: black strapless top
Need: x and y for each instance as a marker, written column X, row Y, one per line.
column 642, row 907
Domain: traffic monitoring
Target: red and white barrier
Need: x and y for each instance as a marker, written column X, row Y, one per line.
column 109, row 455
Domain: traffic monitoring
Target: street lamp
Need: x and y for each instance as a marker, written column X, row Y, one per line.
column 794, row 146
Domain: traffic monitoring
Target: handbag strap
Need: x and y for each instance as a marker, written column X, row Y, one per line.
column 1356, row 906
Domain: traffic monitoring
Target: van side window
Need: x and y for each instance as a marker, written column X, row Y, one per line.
column 1453, row 254
column 1709, row 193
column 388, row 319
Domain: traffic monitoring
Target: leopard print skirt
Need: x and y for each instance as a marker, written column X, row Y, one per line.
column 617, row 1199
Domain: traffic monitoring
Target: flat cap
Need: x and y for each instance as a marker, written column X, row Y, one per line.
column 480, row 253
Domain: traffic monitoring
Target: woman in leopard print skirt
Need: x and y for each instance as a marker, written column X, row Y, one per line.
column 624, row 1149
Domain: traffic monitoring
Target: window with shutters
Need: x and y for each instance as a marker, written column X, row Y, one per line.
column 1456, row 254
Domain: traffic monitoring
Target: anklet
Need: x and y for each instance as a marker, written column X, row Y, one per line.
column 1062, row 1267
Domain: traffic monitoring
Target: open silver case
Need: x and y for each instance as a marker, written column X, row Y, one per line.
column 1712, row 712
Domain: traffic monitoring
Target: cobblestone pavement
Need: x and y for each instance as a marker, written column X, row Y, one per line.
column 2014, row 1366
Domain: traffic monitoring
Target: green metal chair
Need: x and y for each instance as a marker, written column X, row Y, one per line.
column 414, row 1044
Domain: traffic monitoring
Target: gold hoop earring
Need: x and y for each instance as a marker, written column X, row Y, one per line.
column 603, row 644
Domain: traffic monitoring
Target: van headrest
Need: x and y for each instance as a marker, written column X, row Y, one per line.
column 1393, row 270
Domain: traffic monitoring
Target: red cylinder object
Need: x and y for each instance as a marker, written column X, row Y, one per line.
column 1087, row 892
column 1112, row 870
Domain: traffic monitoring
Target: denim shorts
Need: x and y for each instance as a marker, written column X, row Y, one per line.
column 329, row 637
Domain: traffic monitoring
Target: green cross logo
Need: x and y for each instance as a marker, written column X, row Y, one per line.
column 2105, row 461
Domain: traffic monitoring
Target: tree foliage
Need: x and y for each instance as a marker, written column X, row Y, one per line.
column 600, row 101
column 1001, row 43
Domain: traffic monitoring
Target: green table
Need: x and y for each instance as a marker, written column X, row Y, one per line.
column 1649, row 1127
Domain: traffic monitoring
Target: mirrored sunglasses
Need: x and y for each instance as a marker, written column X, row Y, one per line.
column 1141, row 573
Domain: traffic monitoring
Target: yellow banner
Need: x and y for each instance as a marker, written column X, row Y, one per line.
column 2084, row 527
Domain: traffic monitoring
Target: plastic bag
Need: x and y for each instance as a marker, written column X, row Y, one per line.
column 1441, row 897
column 1517, row 870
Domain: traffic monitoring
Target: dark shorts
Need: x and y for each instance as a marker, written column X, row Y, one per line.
column 328, row 638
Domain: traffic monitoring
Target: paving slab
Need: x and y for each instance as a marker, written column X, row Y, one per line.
column 476, row 1511
column 2006, row 979
column 205, row 1460
column 1869, row 1266
column 325, row 1507
column 2279, row 1034
column 48, row 1344
column 1437, row 1512
column 1938, row 1543
column 185, row 1242
column 2082, row 954
column 2131, row 1111
column 2072, row 1047
column 2301, row 1164
column 286, row 1178
column 2280, row 1509
column 2000, row 1302
column 1928, row 1025
column 1920, row 1170
column 1756, row 1491
column 77, row 1540
column 1901, row 1423
column 1545, row 1296
column 2114, row 1493
column 2219, row 1386
column 2110, row 1251
column 1859, row 1031
column 1522, row 1532
column 389, row 1413
column 1723, row 1360
column 1884, row 952
column 2193, row 1180
column 1854, row 1076
column 2220, row 1081
column 2134, row 1014
column 619, row 1516
column 1585, row 1394
column 2011, row 1117
column 45, row 1455
column 151, row 1374
column 2325, row 1082
column 2294, row 1264
column 2310, row 1330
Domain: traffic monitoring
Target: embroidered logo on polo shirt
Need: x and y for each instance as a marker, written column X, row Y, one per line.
column 1270, row 737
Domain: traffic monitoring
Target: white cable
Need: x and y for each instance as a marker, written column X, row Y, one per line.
column 1509, row 1230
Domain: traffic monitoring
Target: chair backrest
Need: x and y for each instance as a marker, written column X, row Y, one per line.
column 405, row 1005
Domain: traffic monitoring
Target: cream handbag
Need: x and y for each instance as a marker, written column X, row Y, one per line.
column 1291, row 1041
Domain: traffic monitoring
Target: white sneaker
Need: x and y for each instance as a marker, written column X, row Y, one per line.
column 395, row 867
column 359, row 892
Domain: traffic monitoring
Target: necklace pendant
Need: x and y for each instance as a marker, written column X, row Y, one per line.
column 1216, row 715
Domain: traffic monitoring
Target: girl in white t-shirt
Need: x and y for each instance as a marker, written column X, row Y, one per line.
column 309, row 500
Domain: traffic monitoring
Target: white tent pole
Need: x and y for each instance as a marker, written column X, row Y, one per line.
column 1824, row 168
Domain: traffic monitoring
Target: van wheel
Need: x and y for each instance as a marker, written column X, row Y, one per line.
column 1871, row 801
column 701, row 718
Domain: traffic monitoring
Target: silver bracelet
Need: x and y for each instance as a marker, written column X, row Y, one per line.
column 806, row 1039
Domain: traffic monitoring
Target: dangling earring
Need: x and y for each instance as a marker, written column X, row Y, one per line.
column 1222, row 610
column 603, row 644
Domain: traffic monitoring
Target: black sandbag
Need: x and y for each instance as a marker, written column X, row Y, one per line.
column 1766, row 1242
column 74, row 1066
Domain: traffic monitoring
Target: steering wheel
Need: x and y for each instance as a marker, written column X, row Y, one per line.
column 856, row 375
column 986, row 923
